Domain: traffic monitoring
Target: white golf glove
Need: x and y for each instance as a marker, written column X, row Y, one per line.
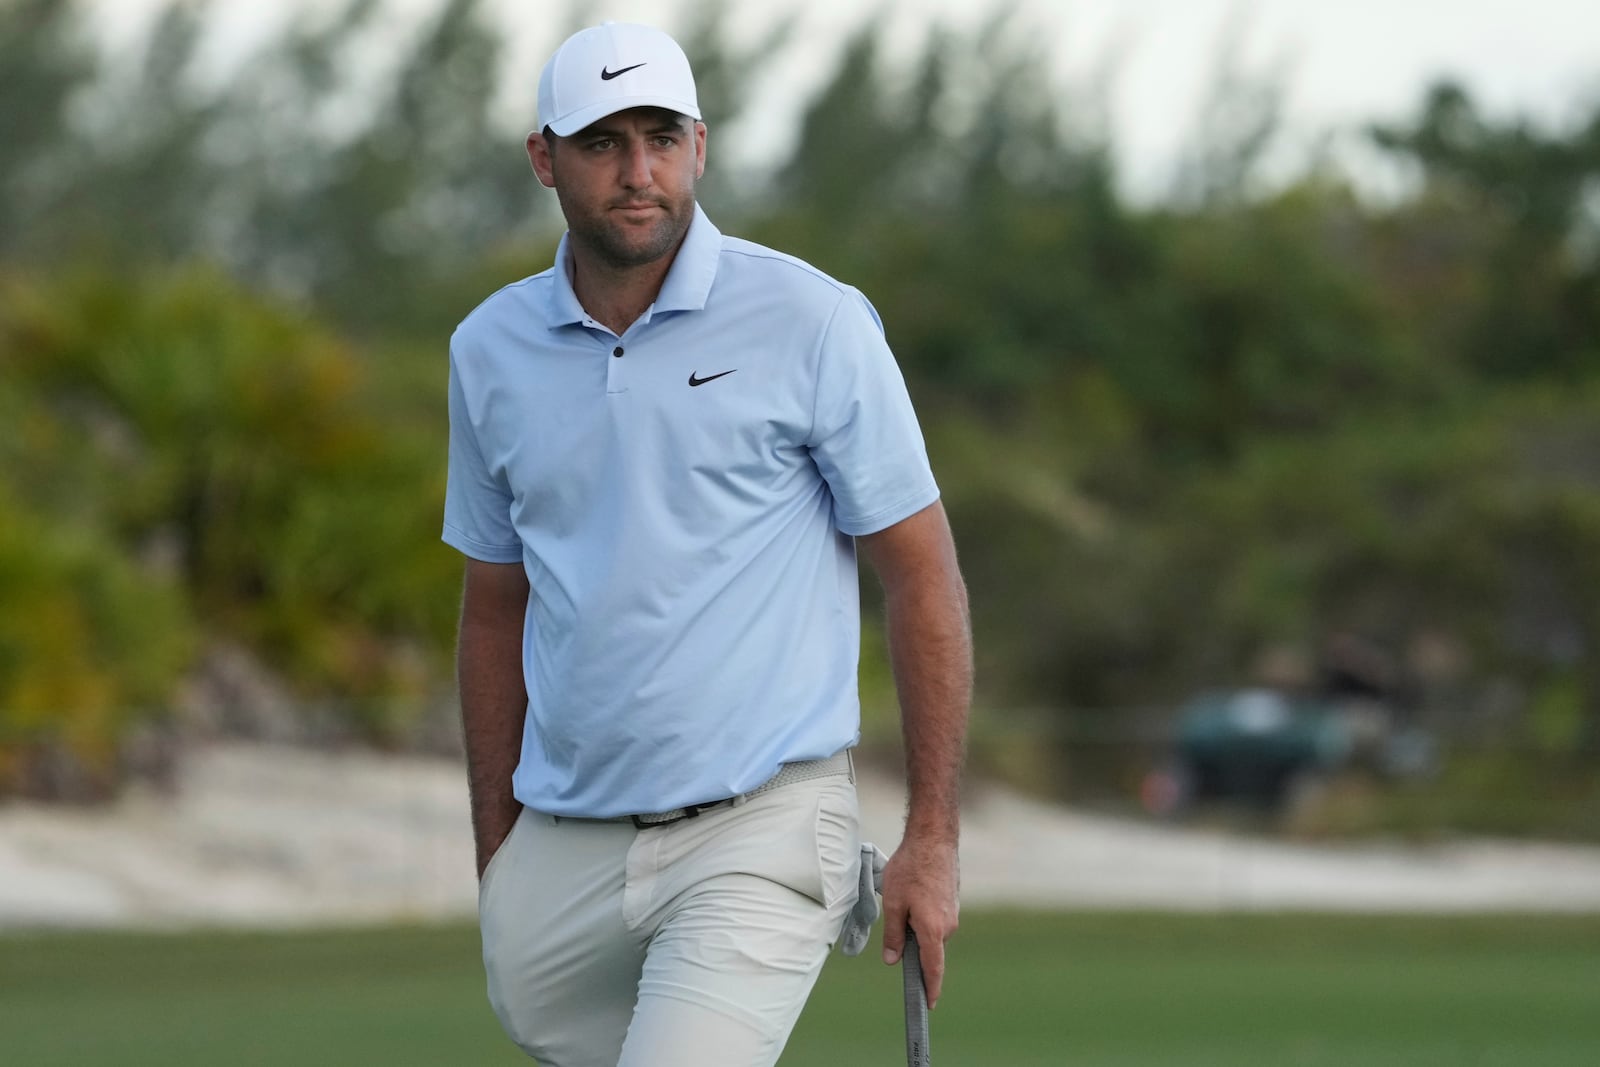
column 857, row 931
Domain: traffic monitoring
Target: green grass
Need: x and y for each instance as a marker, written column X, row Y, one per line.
column 1024, row 991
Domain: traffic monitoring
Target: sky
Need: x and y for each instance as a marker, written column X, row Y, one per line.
column 1340, row 63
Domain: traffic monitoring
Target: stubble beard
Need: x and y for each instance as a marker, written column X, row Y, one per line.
column 621, row 247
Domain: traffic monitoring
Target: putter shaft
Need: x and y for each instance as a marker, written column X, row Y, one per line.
column 916, row 995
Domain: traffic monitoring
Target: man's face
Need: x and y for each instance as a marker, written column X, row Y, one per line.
column 626, row 183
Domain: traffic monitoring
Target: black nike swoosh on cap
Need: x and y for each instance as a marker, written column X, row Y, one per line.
column 607, row 75
column 693, row 381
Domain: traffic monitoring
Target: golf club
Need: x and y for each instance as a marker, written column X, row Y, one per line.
column 916, row 1004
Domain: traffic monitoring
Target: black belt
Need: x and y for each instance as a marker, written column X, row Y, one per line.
column 789, row 773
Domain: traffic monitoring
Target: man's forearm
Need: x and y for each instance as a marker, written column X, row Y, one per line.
column 930, row 649
column 494, row 704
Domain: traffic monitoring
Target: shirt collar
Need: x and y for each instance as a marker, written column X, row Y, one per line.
column 685, row 288
column 688, row 282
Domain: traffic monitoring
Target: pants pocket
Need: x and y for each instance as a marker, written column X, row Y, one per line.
column 838, row 845
column 805, row 837
column 495, row 864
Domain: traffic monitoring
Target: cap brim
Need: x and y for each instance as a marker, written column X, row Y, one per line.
column 567, row 125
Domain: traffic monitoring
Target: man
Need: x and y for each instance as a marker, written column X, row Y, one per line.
column 663, row 454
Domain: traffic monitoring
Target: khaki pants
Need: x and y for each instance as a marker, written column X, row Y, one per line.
column 693, row 944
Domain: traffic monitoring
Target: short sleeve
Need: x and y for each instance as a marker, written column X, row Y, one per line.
column 477, row 503
column 864, row 437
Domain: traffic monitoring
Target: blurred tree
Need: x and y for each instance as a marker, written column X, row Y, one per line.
column 984, row 229
column 132, row 181
column 92, row 645
column 230, row 443
column 1477, row 528
column 1238, row 123
column 1270, row 326
column 1527, row 198
column 428, row 184
column 854, row 143
column 305, row 170
column 724, row 73
column 45, row 62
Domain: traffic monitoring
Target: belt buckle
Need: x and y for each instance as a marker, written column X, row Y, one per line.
column 688, row 811
column 684, row 813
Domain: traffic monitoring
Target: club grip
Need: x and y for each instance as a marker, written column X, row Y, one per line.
column 916, row 1003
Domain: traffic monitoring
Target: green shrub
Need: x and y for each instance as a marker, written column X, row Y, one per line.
column 90, row 646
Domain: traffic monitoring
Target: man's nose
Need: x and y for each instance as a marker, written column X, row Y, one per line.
column 636, row 166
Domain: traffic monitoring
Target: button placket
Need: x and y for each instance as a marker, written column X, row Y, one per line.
column 616, row 369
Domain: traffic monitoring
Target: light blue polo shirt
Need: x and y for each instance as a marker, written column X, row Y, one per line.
column 683, row 498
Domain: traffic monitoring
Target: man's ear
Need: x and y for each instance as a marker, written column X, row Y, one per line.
column 539, row 156
column 699, row 150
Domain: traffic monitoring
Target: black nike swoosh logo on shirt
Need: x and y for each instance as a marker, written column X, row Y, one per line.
column 607, row 75
column 710, row 378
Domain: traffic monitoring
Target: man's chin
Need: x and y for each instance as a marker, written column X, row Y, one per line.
column 631, row 246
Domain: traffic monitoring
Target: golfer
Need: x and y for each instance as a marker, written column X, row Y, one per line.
column 664, row 453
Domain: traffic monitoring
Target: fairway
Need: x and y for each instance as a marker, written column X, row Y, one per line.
column 1025, row 991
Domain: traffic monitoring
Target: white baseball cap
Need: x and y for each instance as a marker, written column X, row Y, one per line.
column 609, row 68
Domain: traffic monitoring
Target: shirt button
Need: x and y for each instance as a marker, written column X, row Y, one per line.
column 617, row 351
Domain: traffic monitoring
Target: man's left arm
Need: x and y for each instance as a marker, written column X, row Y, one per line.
column 930, row 650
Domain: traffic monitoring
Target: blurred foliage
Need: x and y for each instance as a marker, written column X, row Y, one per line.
column 189, row 452
column 89, row 645
column 1174, row 439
